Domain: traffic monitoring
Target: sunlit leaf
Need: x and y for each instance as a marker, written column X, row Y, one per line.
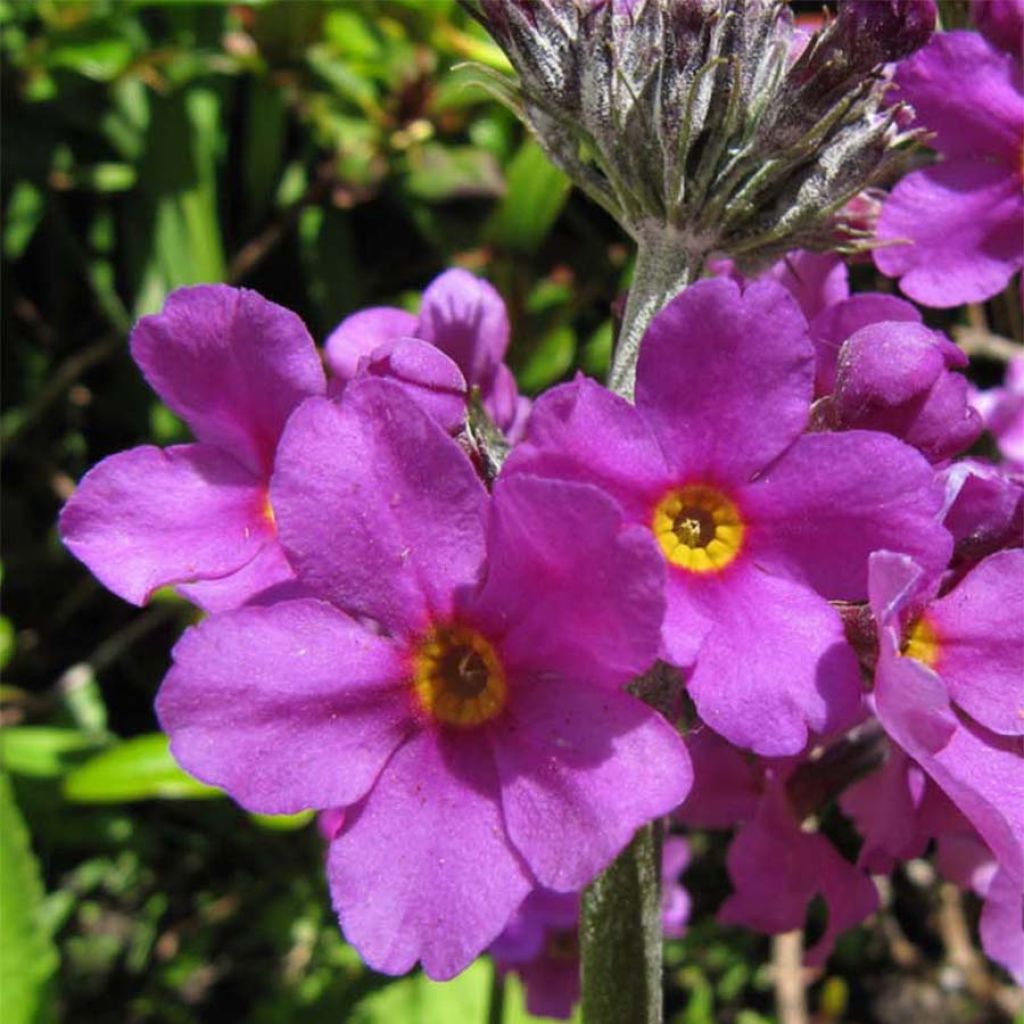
column 27, row 954
column 140, row 768
column 536, row 192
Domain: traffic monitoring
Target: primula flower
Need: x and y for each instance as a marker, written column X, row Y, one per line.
column 455, row 685
column 898, row 810
column 776, row 867
column 949, row 689
column 1002, row 409
column 758, row 523
column 964, row 215
column 462, row 318
column 898, row 377
column 233, row 366
column 541, row 944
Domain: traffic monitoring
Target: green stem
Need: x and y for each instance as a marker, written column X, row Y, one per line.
column 620, row 937
column 496, row 1005
column 666, row 262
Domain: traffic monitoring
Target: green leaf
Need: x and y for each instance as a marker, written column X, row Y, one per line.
column 283, row 822
column 140, row 768
column 549, row 361
column 27, row 954
column 437, row 173
column 24, row 212
column 176, row 234
column 535, row 193
column 596, row 356
column 7, row 641
column 418, row 1000
column 42, row 751
column 91, row 51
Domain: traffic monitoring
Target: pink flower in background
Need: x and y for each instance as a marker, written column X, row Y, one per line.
column 464, row 325
column 759, row 523
column 455, row 686
column 776, row 867
column 198, row 516
column 965, row 215
column 1002, row 410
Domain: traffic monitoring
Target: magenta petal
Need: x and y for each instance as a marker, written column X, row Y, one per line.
column 687, row 621
column 964, row 219
column 817, row 280
column 984, row 114
column 569, row 592
column 726, row 783
column 231, row 364
column 775, row 664
column 600, row 764
column 268, row 569
column 361, row 333
column 150, row 517
column 724, row 380
column 883, row 805
column 378, row 509
column 773, row 868
column 287, row 707
column 850, row 896
column 466, row 319
column 980, row 626
column 981, row 772
column 1002, row 925
column 832, row 499
column 581, row 431
column 776, row 868
column 423, row 869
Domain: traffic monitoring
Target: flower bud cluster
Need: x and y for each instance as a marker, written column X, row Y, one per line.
column 714, row 118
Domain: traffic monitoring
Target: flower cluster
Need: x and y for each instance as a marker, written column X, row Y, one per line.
column 778, row 536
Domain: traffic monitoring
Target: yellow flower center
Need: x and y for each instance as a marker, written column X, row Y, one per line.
column 699, row 528
column 457, row 676
column 922, row 642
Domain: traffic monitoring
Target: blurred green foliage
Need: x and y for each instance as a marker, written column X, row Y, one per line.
column 332, row 156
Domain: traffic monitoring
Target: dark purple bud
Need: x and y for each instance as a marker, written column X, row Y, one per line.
column 879, row 31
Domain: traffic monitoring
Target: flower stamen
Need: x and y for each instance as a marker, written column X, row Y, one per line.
column 921, row 643
column 457, row 676
column 698, row 528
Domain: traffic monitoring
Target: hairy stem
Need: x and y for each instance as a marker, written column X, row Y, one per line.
column 666, row 262
column 620, row 937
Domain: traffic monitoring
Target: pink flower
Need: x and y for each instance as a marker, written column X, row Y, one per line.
column 776, row 867
column 1002, row 409
column 458, row 341
column 949, row 688
column 198, row 516
column 965, row 215
column 759, row 524
column 454, row 685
